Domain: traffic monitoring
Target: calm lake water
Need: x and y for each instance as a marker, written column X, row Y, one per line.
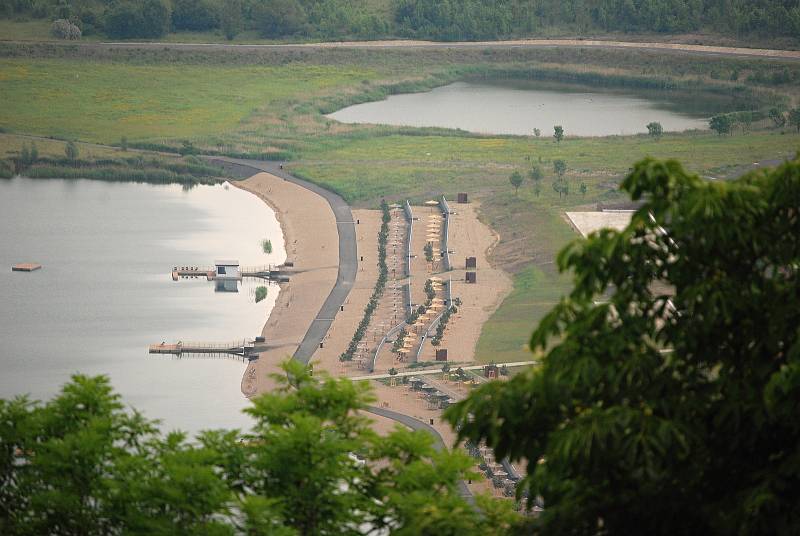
column 105, row 291
column 518, row 109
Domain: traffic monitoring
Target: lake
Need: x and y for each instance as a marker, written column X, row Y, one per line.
column 105, row 291
column 519, row 108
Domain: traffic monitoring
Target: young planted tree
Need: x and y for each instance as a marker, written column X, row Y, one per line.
column 516, row 180
column 71, row 150
column 558, row 133
column 537, row 132
column 559, row 168
column 428, row 249
column 583, row 188
column 655, row 130
column 535, row 174
column 667, row 398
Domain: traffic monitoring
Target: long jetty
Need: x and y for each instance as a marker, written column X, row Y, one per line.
column 246, row 349
column 268, row 273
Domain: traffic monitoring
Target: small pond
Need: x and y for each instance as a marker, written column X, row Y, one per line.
column 518, row 108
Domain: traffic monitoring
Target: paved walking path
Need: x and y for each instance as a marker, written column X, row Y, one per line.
column 685, row 48
column 348, row 254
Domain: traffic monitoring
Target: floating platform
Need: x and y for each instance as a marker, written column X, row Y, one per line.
column 26, row 267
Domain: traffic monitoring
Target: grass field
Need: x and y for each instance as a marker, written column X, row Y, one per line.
column 268, row 101
column 102, row 102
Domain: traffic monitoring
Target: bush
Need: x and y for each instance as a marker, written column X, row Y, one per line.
column 6, row 169
column 261, row 293
column 64, row 29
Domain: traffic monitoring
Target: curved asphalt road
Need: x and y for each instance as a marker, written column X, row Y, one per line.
column 348, row 254
column 416, row 424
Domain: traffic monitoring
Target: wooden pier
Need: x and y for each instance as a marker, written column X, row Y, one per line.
column 246, row 349
column 188, row 272
column 268, row 273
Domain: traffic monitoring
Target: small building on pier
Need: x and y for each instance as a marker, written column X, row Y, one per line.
column 227, row 269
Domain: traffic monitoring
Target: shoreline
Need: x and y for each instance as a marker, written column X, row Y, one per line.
column 310, row 237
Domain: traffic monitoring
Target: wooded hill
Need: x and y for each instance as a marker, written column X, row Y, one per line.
column 426, row 19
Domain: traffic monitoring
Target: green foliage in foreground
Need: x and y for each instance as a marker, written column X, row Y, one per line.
column 81, row 464
column 660, row 412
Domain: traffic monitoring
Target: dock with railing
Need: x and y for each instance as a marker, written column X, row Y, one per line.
column 266, row 272
column 246, row 349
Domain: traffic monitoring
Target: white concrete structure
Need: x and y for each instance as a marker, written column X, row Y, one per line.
column 227, row 270
column 588, row 222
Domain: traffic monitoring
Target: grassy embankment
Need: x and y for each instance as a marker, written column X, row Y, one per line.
column 271, row 104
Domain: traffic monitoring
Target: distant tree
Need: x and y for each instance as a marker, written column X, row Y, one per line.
column 559, row 168
column 516, row 180
column 558, row 133
column 34, row 154
column 123, row 143
column 794, row 118
column 535, row 174
column 721, row 124
column 231, row 18
column 665, row 411
column 71, row 150
column 127, row 19
column 196, row 15
column 276, row 18
column 778, row 119
column 583, row 188
column 537, row 189
column 393, row 371
column 655, row 129
column 537, row 132
column 446, row 368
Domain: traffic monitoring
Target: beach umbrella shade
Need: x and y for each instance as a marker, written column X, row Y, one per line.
column 403, row 351
column 431, row 203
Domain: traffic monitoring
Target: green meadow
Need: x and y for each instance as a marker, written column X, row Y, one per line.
column 102, row 101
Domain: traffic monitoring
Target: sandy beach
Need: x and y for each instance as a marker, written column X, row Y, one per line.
column 469, row 237
column 311, row 237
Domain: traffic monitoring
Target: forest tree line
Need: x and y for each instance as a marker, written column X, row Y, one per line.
column 426, row 19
